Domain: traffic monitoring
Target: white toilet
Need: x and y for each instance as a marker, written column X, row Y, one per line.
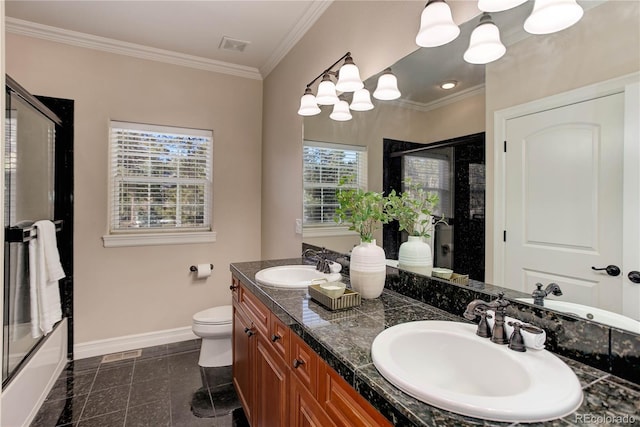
column 214, row 327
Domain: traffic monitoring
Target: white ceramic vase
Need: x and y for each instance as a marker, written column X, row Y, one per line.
column 415, row 256
column 368, row 269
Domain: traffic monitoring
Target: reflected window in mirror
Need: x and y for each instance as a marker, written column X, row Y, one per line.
column 324, row 165
column 431, row 171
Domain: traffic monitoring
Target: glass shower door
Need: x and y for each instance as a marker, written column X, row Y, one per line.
column 29, row 196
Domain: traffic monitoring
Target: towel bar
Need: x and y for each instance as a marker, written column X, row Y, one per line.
column 24, row 234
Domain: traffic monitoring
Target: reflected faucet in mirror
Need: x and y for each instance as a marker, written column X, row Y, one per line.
column 539, row 294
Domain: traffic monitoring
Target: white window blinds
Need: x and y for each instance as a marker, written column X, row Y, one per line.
column 160, row 178
column 432, row 173
column 324, row 164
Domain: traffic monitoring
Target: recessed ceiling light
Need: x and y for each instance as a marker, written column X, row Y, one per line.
column 450, row 84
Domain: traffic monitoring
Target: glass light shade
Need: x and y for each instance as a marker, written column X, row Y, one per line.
column 387, row 88
column 349, row 77
column 498, row 5
column 484, row 45
column 308, row 104
column 326, row 93
column 436, row 25
column 549, row 16
column 341, row 111
column 361, row 100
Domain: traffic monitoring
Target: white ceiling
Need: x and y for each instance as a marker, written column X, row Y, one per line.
column 193, row 29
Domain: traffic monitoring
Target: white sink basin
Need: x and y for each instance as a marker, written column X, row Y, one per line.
column 445, row 364
column 293, row 276
column 596, row 314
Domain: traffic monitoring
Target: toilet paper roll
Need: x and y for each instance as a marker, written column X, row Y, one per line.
column 203, row 271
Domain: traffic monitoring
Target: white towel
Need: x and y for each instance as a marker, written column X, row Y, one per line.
column 531, row 340
column 44, row 272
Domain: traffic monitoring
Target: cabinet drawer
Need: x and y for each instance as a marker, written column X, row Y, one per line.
column 279, row 336
column 257, row 311
column 343, row 404
column 304, row 364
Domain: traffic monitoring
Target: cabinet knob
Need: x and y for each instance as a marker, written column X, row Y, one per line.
column 233, row 287
column 297, row 362
column 275, row 337
column 634, row 276
column 248, row 331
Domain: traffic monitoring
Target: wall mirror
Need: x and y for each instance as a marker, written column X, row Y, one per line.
column 535, row 67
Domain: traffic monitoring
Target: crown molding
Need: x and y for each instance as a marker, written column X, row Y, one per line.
column 315, row 10
column 89, row 41
column 438, row 103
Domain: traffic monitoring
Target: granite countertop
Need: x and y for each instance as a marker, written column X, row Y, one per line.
column 343, row 339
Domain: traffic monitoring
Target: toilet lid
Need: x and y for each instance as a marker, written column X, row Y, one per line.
column 214, row 316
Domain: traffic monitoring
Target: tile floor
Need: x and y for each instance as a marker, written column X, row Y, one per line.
column 163, row 387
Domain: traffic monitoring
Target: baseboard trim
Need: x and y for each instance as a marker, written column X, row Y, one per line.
column 131, row 342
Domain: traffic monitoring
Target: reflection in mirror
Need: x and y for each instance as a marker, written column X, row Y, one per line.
column 535, row 68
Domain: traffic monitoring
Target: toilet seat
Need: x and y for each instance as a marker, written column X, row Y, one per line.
column 221, row 315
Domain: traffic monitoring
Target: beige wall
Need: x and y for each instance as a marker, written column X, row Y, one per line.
column 388, row 120
column 377, row 33
column 122, row 291
column 604, row 44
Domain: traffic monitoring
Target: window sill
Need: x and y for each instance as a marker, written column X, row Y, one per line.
column 154, row 239
column 327, row 231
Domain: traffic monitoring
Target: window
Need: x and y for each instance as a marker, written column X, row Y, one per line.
column 160, row 179
column 324, row 164
column 432, row 172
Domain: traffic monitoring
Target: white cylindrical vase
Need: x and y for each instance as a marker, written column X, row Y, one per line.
column 415, row 256
column 368, row 269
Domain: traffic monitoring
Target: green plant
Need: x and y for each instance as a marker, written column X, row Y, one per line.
column 413, row 209
column 364, row 210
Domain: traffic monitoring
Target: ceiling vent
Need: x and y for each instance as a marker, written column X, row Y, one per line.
column 233, row 45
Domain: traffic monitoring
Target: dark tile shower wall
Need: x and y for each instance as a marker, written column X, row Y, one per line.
column 606, row 348
column 468, row 221
column 64, row 109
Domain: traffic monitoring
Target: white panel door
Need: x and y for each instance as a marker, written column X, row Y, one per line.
column 564, row 200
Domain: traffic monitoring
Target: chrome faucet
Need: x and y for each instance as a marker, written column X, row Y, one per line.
column 322, row 264
column 480, row 307
column 539, row 293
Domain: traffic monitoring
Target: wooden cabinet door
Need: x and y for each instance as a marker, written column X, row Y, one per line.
column 243, row 349
column 343, row 404
column 272, row 387
column 305, row 409
column 304, row 364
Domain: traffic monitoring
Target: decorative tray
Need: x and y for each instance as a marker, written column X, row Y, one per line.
column 348, row 299
column 460, row 279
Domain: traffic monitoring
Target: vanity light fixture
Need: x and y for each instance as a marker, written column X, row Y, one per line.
column 436, row 25
column 449, row 84
column 549, row 16
column 361, row 100
column 498, row 5
column 308, row 104
column 348, row 80
column 326, row 91
column 484, row 44
column 387, row 88
column 341, row 111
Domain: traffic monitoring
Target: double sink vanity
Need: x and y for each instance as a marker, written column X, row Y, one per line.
column 396, row 360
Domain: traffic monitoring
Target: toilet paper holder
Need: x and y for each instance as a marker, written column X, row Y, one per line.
column 195, row 268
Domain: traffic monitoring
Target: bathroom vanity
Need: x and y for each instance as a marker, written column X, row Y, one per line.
column 297, row 363
column 279, row 379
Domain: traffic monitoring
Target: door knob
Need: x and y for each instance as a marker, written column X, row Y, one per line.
column 634, row 276
column 612, row 270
